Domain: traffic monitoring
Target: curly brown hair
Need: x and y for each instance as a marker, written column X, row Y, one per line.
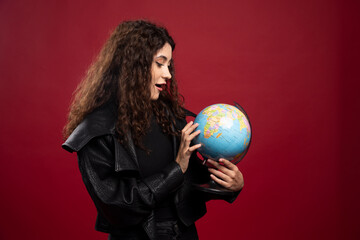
column 121, row 74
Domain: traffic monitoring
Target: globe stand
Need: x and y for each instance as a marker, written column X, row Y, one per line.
column 213, row 188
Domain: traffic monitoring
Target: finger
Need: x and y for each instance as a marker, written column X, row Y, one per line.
column 220, row 167
column 187, row 126
column 193, row 135
column 228, row 164
column 219, row 181
column 186, row 140
column 193, row 148
column 192, row 128
column 220, row 175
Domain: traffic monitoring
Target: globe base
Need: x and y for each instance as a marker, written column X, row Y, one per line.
column 214, row 188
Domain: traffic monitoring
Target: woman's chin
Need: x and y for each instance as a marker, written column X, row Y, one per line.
column 154, row 98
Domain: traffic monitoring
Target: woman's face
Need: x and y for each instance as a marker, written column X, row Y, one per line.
column 160, row 70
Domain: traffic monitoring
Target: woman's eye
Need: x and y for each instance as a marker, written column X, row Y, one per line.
column 159, row 64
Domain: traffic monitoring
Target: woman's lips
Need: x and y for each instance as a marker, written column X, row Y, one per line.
column 160, row 87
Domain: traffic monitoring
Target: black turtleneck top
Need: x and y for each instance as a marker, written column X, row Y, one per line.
column 160, row 153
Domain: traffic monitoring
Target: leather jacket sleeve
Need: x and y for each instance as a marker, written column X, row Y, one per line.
column 121, row 197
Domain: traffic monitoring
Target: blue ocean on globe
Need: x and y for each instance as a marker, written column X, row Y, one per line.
column 225, row 132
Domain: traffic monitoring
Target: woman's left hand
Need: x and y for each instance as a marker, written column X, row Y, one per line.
column 227, row 175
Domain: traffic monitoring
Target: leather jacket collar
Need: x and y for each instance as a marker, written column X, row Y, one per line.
column 99, row 122
column 102, row 122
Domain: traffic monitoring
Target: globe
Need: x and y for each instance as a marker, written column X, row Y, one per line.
column 225, row 132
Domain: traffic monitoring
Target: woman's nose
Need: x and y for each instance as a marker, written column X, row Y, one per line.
column 166, row 73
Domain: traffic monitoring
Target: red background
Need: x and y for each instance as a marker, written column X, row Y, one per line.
column 290, row 64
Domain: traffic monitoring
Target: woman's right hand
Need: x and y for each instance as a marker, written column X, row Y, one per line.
column 185, row 151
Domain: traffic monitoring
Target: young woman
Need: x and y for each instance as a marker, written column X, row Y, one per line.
column 127, row 125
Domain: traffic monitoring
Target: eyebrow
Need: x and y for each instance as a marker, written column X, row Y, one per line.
column 163, row 57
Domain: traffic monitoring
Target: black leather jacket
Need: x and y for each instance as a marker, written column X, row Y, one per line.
column 110, row 172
